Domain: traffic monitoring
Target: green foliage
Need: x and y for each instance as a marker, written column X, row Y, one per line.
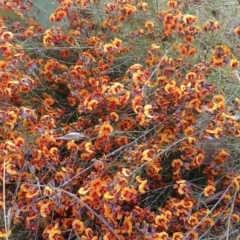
column 42, row 10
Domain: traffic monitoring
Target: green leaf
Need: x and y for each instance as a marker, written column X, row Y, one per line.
column 41, row 11
column 12, row 16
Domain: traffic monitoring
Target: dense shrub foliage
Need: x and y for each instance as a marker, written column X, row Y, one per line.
column 112, row 125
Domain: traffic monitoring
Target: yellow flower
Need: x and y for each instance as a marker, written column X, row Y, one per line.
column 148, row 111
column 142, row 184
column 4, row 235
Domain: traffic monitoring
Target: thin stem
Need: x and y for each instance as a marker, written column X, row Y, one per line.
column 4, row 200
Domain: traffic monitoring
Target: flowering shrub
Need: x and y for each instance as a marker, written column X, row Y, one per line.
column 111, row 125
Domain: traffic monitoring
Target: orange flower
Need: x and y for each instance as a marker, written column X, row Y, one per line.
column 105, row 129
column 24, row 88
column 127, row 124
column 78, row 226
column 48, row 40
column 207, row 223
column 112, row 103
column 86, row 156
column 167, row 136
column 46, row 207
column 189, row 130
column 181, row 187
column 70, row 40
column 126, row 172
column 84, row 190
column 191, row 51
column 221, row 156
column 60, row 176
column 217, row 131
column 128, row 10
column 237, row 31
column 52, row 232
column 10, row 169
column 117, row 42
column 143, row 6
column 219, row 55
column 114, row 116
column 148, row 155
column 170, row 86
column 235, row 218
column 137, row 77
column 49, row 101
column 90, row 105
column 236, row 183
column 67, row 3
column 142, row 186
column 177, row 236
column 195, row 104
column 189, row 19
column 234, row 63
column 6, row 36
column 168, row 215
column 108, row 48
column 103, row 66
column 3, row 64
column 187, row 49
column 89, row 147
column 149, row 25
column 159, row 236
column 107, row 196
column 191, row 140
column 137, row 104
column 154, row 46
column 191, row 76
column 4, row 234
column 89, row 234
column 219, row 101
column 170, row 21
column 116, row 88
column 177, row 163
column 127, row 225
column 188, row 39
column 19, row 141
column 210, row 25
column 209, row 190
column 59, row 15
column 192, row 220
column 198, row 160
column 98, row 186
column 141, row 119
column 128, row 194
column 193, row 236
column 47, row 191
column 161, row 221
column 155, row 164
column 29, row 32
column 148, row 111
column 109, row 7
column 32, row 193
column 218, row 62
column 172, row 3
column 72, row 146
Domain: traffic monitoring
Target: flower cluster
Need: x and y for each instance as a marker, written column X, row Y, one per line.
column 103, row 138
